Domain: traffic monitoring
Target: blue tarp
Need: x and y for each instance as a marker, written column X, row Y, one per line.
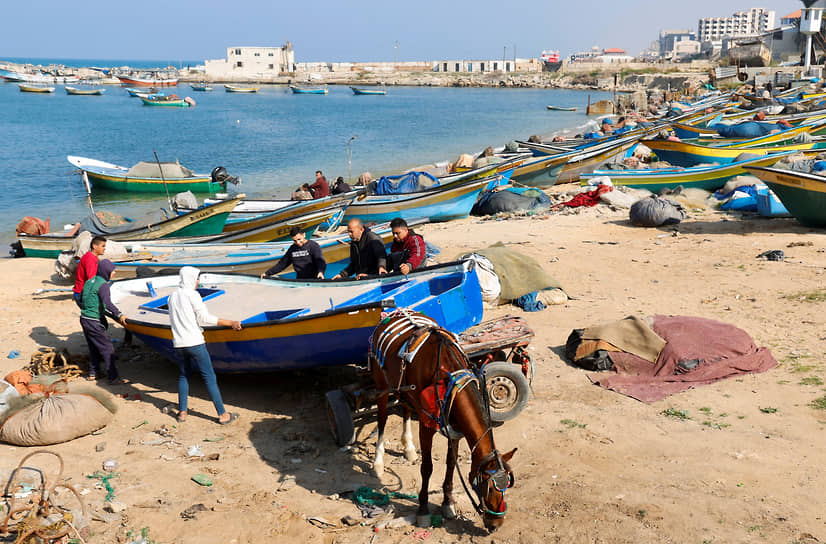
column 746, row 129
column 404, row 183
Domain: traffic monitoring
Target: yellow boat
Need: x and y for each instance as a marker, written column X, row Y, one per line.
column 34, row 88
column 690, row 154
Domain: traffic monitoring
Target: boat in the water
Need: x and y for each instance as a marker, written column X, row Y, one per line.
column 240, row 89
column 300, row 324
column 802, row 194
column 156, row 80
column 362, row 90
column 169, row 101
column 202, row 87
column 84, row 92
column 709, row 178
column 202, row 222
column 143, row 93
column 308, row 90
column 151, row 258
column 560, row 108
column 147, row 177
column 24, row 88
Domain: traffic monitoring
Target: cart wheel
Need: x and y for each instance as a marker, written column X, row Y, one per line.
column 340, row 418
column 508, row 390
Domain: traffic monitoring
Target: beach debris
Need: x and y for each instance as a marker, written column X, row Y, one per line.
column 14, row 354
column 350, row 520
column 202, row 479
column 422, row 534
column 194, row 451
column 104, row 478
column 800, row 244
column 109, row 465
column 54, row 362
column 142, row 423
column 216, row 439
column 114, row 506
column 193, row 511
column 319, row 521
column 287, row 482
column 773, row 255
column 99, row 447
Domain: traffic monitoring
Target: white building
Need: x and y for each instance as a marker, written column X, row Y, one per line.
column 487, row 66
column 741, row 23
column 252, row 62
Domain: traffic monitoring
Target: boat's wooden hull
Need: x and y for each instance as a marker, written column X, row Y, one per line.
column 377, row 92
column 292, row 324
column 84, row 92
column 803, row 195
column 439, row 204
column 234, row 89
column 143, row 82
column 165, row 103
column 541, row 171
column 35, row 89
column 709, row 178
column 112, row 177
column 588, row 161
column 299, row 90
column 301, row 207
column 202, row 222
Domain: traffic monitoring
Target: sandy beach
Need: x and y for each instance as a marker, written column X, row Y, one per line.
column 744, row 464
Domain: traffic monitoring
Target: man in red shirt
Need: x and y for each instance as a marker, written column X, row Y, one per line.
column 408, row 251
column 88, row 266
column 320, row 188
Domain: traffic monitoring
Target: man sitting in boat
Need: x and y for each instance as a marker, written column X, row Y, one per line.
column 367, row 256
column 320, row 188
column 408, row 251
column 302, row 193
column 341, row 186
column 305, row 256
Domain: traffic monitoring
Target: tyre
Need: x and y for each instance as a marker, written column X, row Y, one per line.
column 340, row 418
column 508, row 390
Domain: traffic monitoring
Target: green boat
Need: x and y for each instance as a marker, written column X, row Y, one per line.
column 803, row 195
column 361, row 90
column 171, row 101
column 145, row 177
column 205, row 221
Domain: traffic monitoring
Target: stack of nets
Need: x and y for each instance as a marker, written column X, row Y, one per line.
column 51, row 361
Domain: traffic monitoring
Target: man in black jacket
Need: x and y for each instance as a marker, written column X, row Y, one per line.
column 305, row 256
column 367, row 256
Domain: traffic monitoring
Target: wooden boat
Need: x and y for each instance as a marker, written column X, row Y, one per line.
column 171, row 101
column 149, row 258
column 709, row 178
column 688, row 154
column 750, row 53
column 362, row 90
column 543, row 170
column 143, row 93
column 24, row 88
column 559, row 108
column 803, row 194
column 442, row 203
column 299, row 324
column 150, row 81
column 84, row 92
column 238, row 89
column 205, row 221
column 308, row 90
column 590, row 158
column 145, row 177
column 203, row 87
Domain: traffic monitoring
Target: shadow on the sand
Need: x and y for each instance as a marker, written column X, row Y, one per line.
column 730, row 225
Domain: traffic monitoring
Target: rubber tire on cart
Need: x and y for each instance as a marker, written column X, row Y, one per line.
column 508, row 390
column 340, row 418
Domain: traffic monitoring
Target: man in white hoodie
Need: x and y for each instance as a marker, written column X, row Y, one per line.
column 186, row 310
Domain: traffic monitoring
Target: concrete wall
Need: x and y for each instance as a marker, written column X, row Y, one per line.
column 587, row 67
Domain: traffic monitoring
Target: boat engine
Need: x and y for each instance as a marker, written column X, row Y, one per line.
column 220, row 175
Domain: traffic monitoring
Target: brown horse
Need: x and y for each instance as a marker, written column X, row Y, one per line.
column 410, row 355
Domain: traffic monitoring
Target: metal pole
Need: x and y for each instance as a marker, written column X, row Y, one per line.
column 349, row 156
column 169, row 200
column 808, row 52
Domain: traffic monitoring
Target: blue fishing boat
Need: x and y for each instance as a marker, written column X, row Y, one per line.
column 308, row 90
column 203, row 87
column 441, row 203
column 362, row 91
column 299, row 324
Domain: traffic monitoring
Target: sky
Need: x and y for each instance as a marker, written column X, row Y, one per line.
column 348, row 30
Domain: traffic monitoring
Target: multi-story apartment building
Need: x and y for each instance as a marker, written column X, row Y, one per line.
column 741, row 23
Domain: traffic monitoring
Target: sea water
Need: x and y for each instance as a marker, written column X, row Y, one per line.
column 273, row 140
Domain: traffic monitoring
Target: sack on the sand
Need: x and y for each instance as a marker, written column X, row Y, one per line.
column 512, row 146
column 51, row 420
column 655, row 212
column 487, row 161
column 530, row 200
column 619, row 199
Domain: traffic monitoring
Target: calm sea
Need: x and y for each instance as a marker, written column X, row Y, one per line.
column 273, row 140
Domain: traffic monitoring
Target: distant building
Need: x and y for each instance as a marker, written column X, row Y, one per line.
column 670, row 38
column 488, row 66
column 252, row 62
column 604, row 56
column 741, row 23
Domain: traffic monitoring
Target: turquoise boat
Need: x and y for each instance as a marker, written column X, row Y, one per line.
column 362, row 90
column 300, row 324
column 166, row 101
column 308, row 90
column 145, row 177
column 803, row 195
column 442, row 203
column 202, row 87
column 709, row 178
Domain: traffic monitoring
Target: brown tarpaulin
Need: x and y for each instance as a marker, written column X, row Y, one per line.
column 718, row 350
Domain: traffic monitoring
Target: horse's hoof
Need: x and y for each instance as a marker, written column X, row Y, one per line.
column 411, row 455
column 423, row 520
column 448, row 511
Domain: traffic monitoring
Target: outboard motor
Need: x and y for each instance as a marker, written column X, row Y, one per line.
column 220, row 175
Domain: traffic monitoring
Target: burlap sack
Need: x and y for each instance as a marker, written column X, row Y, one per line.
column 56, row 419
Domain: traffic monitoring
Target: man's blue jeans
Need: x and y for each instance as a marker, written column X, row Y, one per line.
column 197, row 358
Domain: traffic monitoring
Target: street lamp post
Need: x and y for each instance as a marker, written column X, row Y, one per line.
column 349, row 174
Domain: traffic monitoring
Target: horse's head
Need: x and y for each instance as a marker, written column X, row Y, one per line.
column 492, row 478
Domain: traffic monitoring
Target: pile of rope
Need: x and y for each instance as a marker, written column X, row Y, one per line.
column 369, row 496
column 50, row 361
